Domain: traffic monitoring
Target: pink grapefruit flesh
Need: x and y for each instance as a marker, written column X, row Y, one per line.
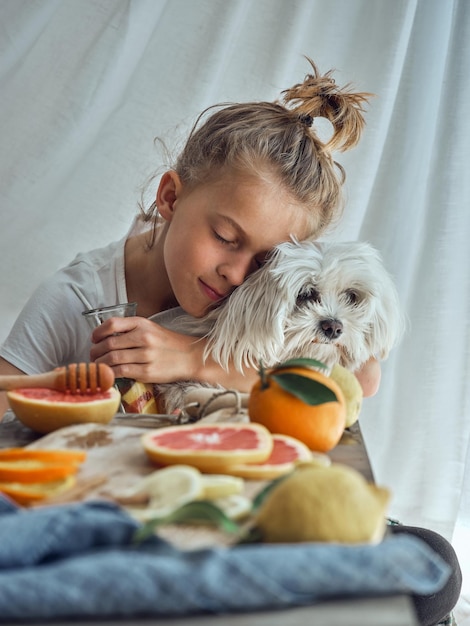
column 284, row 455
column 208, row 447
column 46, row 410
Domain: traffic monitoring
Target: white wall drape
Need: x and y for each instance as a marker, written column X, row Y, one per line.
column 86, row 86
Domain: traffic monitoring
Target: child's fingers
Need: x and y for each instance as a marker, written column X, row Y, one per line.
column 115, row 326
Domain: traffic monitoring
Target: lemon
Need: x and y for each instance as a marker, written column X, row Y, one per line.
column 352, row 392
column 327, row 504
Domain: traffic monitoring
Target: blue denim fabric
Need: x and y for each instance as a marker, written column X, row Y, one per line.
column 79, row 560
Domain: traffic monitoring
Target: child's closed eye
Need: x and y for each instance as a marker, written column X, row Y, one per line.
column 222, row 239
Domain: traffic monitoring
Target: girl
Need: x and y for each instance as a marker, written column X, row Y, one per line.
column 249, row 177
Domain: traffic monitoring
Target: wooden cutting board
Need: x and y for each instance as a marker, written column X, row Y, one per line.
column 115, row 456
column 115, row 461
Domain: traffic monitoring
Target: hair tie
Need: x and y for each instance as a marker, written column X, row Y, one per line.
column 306, row 119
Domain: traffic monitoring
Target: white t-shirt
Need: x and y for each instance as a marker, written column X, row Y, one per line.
column 51, row 330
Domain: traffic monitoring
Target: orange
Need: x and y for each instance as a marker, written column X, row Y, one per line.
column 46, row 410
column 318, row 426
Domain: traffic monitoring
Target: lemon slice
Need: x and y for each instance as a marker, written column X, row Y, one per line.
column 234, row 506
column 218, row 486
column 167, row 490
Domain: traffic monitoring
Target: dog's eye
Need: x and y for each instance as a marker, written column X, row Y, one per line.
column 352, row 297
column 309, row 295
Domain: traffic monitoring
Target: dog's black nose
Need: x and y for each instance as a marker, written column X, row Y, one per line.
column 331, row 328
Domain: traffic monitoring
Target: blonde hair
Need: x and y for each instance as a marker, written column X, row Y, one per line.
column 278, row 137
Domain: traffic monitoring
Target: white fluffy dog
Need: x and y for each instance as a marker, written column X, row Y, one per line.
column 333, row 302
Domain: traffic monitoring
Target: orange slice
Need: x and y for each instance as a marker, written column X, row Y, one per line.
column 29, row 494
column 46, row 455
column 32, row 471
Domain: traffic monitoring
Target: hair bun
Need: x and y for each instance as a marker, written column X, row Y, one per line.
column 319, row 96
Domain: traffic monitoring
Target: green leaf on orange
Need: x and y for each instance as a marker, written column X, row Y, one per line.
column 302, row 362
column 306, row 389
column 297, row 362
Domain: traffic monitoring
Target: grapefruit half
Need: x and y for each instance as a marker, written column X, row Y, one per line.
column 209, row 447
column 45, row 410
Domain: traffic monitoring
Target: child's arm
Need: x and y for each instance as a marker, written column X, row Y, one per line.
column 140, row 349
column 6, row 368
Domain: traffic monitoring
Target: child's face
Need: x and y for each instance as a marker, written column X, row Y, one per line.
column 220, row 232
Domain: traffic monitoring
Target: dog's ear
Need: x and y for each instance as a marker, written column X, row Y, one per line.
column 388, row 323
column 249, row 328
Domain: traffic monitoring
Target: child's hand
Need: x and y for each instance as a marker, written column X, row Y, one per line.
column 137, row 348
column 369, row 377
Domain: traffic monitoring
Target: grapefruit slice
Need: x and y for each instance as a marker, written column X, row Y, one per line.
column 46, row 410
column 286, row 452
column 208, row 447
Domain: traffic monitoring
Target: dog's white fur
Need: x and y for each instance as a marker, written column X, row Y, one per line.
column 334, row 302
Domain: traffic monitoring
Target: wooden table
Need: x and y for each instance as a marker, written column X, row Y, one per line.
column 390, row 611
column 351, row 450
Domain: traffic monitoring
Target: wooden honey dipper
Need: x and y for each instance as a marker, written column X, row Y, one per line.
column 76, row 378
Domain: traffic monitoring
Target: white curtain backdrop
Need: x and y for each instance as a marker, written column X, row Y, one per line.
column 86, row 86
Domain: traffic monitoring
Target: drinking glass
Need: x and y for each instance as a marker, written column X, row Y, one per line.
column 95, row 317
